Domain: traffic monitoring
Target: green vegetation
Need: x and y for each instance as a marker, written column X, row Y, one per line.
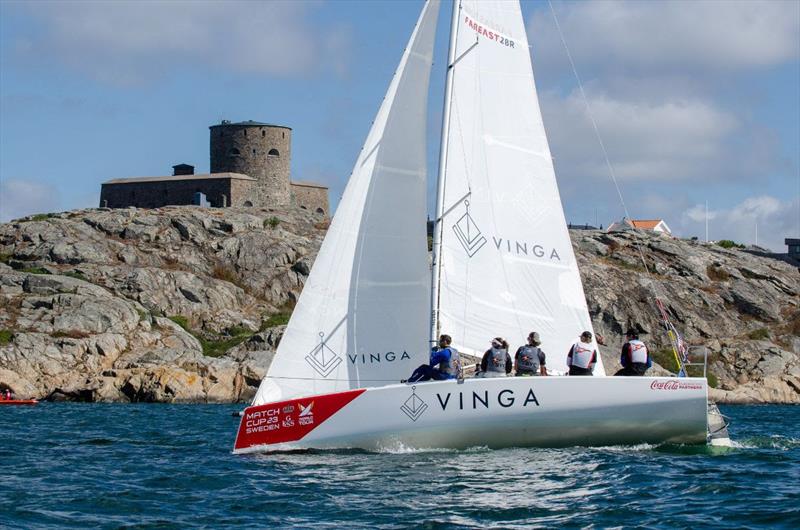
column 6, row 257
column 182, row 321
column 281, row 318
column 78, row 275
column 727, row 243
column 215, row 344
column 717, row 274
column 35, row 270
column 272, row 222
column 278, row 319
column 41, row 216
column 758, row 334
column 142, row 315
column 666, row 358
column 6, row 335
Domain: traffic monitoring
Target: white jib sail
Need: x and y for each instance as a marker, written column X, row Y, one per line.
column 362, row 317
column 507, row 264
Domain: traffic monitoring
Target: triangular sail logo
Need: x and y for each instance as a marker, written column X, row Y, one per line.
column 322, row 359
column 413, row 407
column 468, row 234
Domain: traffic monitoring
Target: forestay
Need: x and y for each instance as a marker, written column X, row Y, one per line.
column 361, row 319
column 507, row 265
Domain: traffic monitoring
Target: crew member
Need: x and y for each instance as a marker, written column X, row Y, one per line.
column 635, row 359
column 529, row 359
column 496, row 361
column 582, row 356
column 445, row 363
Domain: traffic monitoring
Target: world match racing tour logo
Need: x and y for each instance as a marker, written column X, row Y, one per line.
column 472, row 240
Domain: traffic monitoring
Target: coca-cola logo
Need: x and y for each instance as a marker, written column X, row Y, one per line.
column 672, row 384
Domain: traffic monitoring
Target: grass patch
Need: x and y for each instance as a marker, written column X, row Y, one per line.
column 35, row 270
column 666, row 358
column 213, row 344
column 6, row 257
column 272, row 222
column 758, row 334
column 182, row 321
column 281, row 318
column 727, row 243
column 142, row 315
column 78, row 275
column 37, row 217
column 717, row 274
column 6, row 336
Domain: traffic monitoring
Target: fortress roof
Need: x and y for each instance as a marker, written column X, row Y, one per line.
column 248, row 123
column 308, row 184
column 207, row 176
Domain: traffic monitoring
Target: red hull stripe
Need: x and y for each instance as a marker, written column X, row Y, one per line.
column 289, row 421
column 18, row 402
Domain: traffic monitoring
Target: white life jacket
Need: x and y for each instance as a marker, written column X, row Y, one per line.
column 582, row 354
column 638, row 351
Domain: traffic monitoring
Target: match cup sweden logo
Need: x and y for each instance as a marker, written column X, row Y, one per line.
column 468, row 234
column 413, row 407
column 322, row 359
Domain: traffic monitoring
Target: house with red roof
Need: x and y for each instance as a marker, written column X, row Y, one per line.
column 654, row 225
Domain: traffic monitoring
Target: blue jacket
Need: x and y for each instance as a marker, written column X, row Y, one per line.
column 439, row 356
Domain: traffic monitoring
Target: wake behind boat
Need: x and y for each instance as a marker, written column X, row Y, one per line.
column 503, row 265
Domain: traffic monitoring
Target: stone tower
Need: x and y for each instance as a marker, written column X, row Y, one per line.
column 259, row 150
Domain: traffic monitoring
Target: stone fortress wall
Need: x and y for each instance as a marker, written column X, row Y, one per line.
column 250, row 166
column 259, row 150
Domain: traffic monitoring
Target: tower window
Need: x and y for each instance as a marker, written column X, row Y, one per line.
column 283, row 134
column 273, row 152
column 254, row 151
column 245, row 132
column 263, row 134
column 234, row 152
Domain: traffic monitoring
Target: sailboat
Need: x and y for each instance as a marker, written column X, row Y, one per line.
column 503, row 265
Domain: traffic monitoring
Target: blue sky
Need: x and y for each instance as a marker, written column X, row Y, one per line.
column 696, row 101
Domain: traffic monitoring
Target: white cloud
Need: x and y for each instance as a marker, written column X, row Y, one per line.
column 657, row 36
column 19, row 198
column 126, row 42
column 653, row 141
column 774, row 219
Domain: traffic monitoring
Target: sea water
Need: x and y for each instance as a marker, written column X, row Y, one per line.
column 170, row 466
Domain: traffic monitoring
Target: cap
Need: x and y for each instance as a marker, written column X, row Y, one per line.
column 534, row 336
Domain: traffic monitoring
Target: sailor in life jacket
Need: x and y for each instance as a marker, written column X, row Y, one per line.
column 529, row 359
column 635, row 359
column 582, row 356
column 496, row 362
column 445, row 363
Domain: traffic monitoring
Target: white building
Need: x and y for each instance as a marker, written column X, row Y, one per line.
column 654, row 225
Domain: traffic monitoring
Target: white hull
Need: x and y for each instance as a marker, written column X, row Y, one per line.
column 502, row 412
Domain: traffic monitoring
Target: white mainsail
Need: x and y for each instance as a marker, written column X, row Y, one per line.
column 361, row 320
column 505, row 265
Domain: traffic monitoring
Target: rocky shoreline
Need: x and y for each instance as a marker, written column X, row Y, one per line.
column 187, row 304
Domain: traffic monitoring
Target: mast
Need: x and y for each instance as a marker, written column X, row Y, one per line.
column 436, row 266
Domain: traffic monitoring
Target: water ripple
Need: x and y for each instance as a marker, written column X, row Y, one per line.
column 170, row 466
